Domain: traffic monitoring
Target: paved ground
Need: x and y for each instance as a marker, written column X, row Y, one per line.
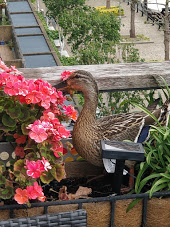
column 149, row 51
column 6, row 53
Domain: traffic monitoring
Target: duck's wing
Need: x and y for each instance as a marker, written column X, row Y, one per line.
column 128, row 126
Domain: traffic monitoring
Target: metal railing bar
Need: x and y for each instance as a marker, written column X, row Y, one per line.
column 11, row 214
column 89, row 200
column 144, row 211
column 112, row 213
column 80, row 206
column 46, row 210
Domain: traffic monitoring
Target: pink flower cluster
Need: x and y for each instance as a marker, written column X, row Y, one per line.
column 70, row 111
column 47, row 104
column 48, row 128
column 29, row 91
column 35, row 168
column 31, row 192
column 66, row 74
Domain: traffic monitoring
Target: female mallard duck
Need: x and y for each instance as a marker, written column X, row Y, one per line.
column 89, row 131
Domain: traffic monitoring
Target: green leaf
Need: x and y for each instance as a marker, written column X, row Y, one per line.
column 58, row 172
column 2, row 180
column 8, row 121
column 2, row 167
column 19, row 165
column 143, row 167
column 165, row 175
column 132, row 204
column 166, row 85
column 146, row 179
column 146, row 111
column 6, row 193
column 46, row 177
column 14, row 112
column 25, row 114
column 1, row 109
column 158, row 183
column 162, row 88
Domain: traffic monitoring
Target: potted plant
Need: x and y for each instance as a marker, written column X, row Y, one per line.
column 2, row 3
column 31, row 112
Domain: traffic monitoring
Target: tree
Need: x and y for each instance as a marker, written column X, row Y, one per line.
column 166, row 31
column 56, row 10
column 132, row 22
column 107, row 4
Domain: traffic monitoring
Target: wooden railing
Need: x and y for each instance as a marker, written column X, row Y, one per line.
column 110, row 77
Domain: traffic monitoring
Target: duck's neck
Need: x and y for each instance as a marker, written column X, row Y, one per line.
column 88, row 113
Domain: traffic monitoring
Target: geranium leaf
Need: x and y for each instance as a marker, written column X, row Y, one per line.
column 6, row 128
column 24, row 129
column 6, row 193
column 30, row 156
column 1, row 109
column 19, row 166
column 8, row 121
column 58, row 172
column 46, row 177
column 2, row 167
column 25, row 114
column 14, row 112
column 2, row 180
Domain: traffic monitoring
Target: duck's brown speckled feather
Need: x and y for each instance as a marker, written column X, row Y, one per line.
column 88, row 132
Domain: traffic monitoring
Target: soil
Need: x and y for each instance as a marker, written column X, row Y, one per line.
column 101, row 186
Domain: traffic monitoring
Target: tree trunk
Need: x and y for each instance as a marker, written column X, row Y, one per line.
column 145, row 3
column 166, row 32
column 107, row 4
column 132, row 22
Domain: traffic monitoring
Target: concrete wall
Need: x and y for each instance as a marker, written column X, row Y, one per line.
column 5, row 32
column 17, row 62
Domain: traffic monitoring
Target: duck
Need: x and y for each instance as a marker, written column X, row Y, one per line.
column 88, row 131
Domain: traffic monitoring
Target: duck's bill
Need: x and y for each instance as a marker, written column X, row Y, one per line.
column 61, row 85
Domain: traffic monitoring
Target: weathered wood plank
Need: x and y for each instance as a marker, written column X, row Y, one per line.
column 122, row 76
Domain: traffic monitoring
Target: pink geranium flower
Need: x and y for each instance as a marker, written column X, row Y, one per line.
column 57, row 148
column 66, row 75
column 34, row 169
column 35, row 192
column 37, row 133
column 21, row 196
column 64, row 133
column 71, row 112
column 46, row 164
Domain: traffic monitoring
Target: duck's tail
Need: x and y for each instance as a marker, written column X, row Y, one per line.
column 162, row 114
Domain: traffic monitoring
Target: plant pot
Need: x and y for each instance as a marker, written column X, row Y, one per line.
column 100, row 211
column 3, row 6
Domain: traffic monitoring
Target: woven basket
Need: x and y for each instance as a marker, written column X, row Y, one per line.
column 76, row 218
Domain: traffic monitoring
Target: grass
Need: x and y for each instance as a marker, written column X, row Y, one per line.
column 138, row 38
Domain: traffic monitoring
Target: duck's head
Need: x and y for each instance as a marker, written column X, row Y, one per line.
column 79, row 80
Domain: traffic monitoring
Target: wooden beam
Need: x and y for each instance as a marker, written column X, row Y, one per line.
column 110, row 77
